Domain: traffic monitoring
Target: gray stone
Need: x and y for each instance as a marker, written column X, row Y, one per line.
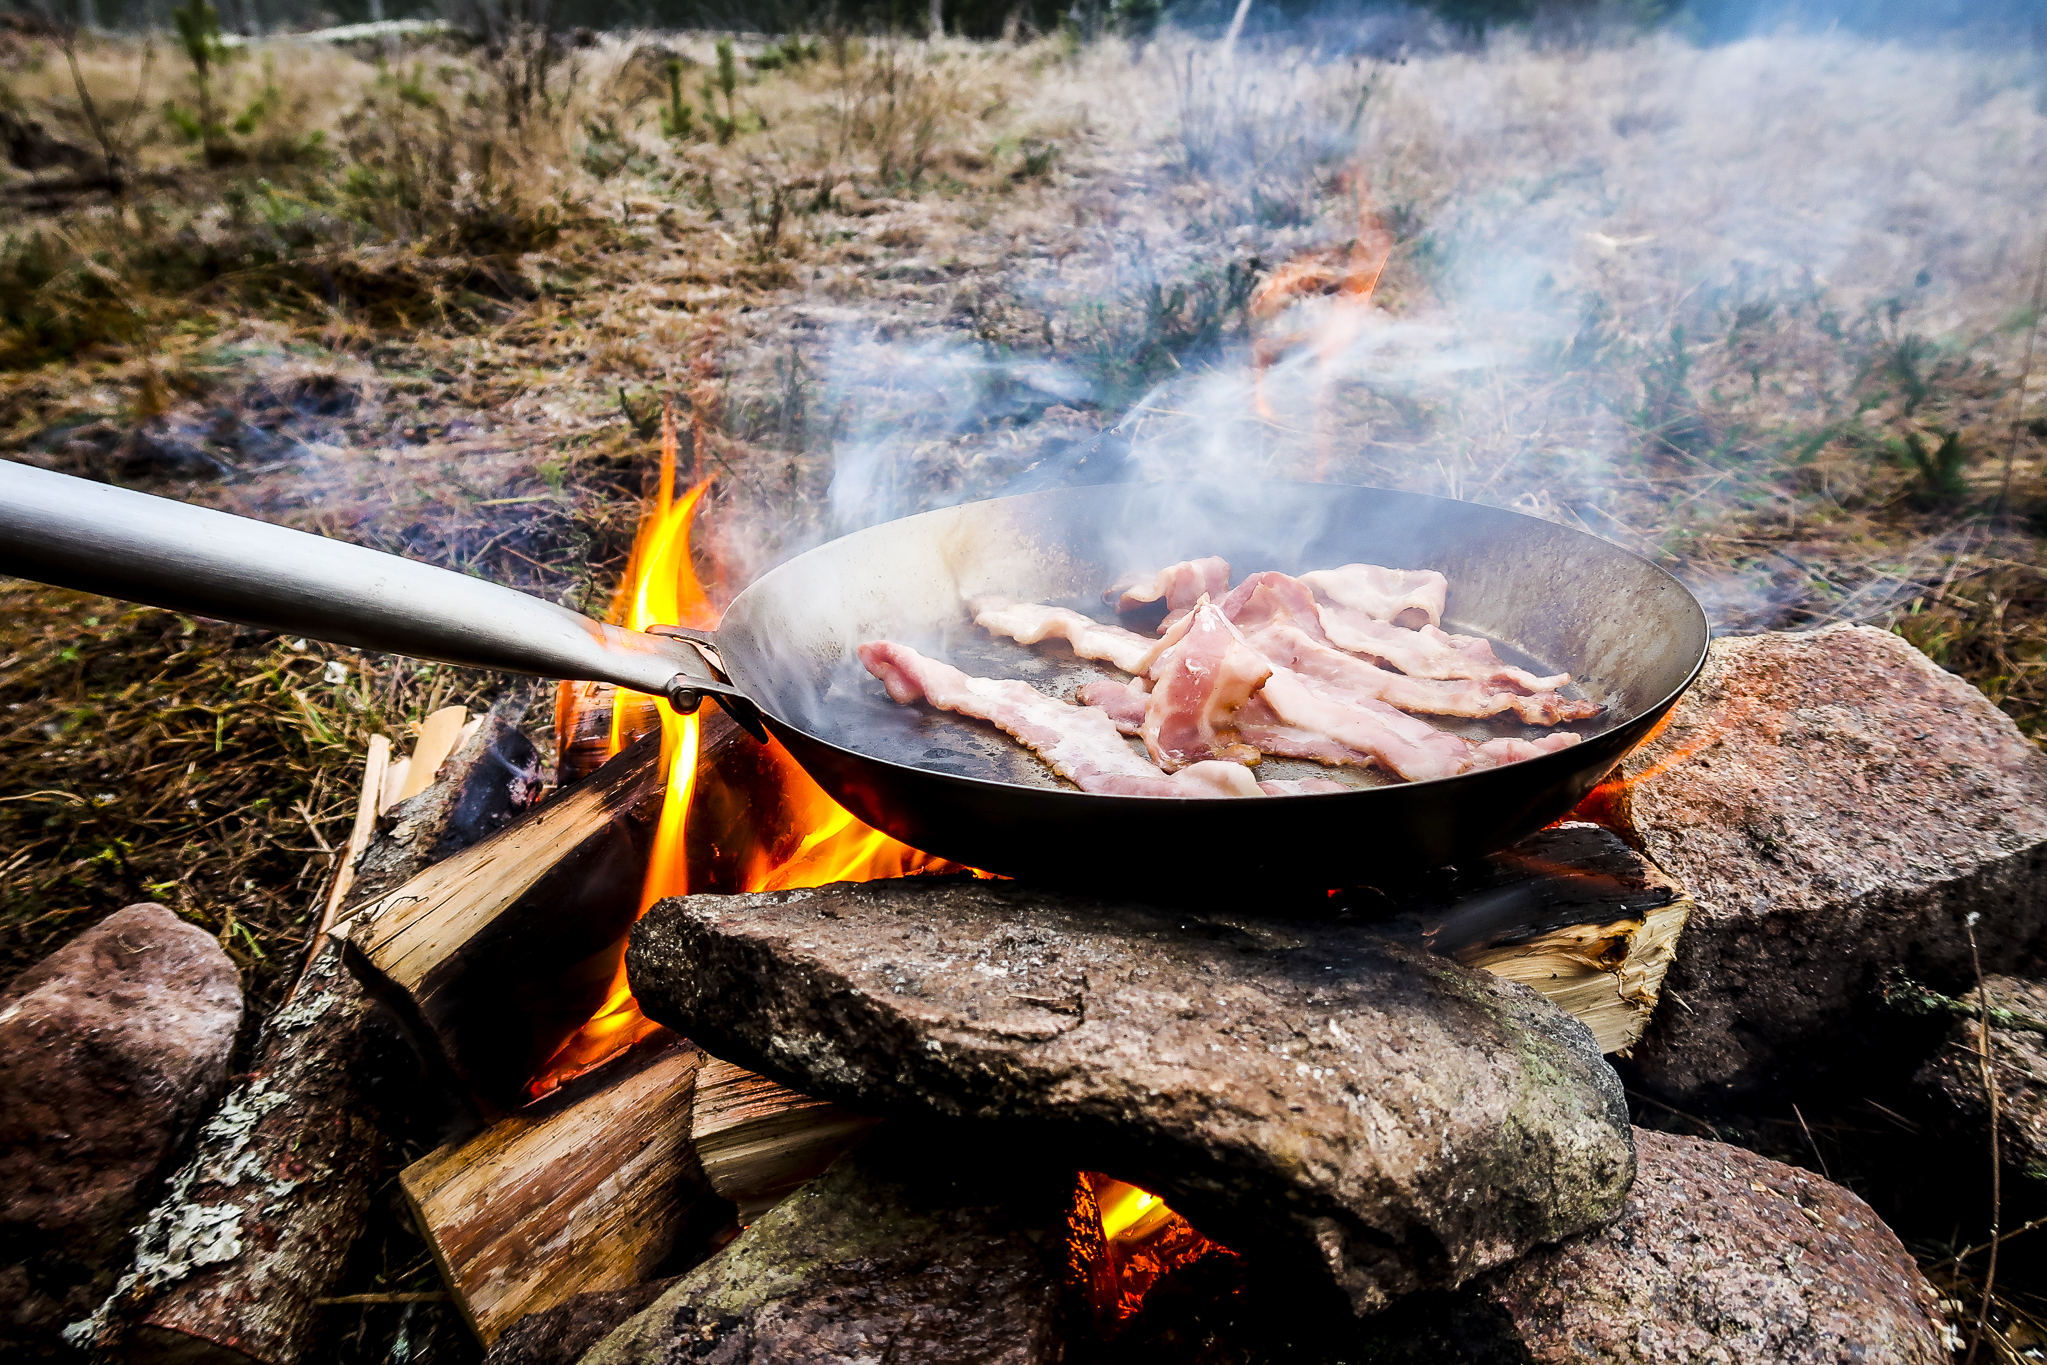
column 115, row 1045
column 562, row 1334
column 1837, row 805
column 1952, row 1079
column 903, row 1251
column 1306, row 1094
column 1722, row 1257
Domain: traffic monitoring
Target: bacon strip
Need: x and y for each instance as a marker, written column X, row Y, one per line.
column 1267, row 603
column 1402, row 596
column 1077, row 742
column 1121, row 702
column 1429, row 652
column 1267, row 599
column 1206, row 673
column 1182, row 585
column 1288, row 646
column 1029, row 622
column 1334, row 726
column 1301, row 786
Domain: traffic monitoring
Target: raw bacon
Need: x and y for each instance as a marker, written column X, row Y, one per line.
column 1312, row 713
column 1204, row 675
column 1402, row 596
column 1429, row 652
column 1268, row 599
column 1266, row 603
column 1301, row 786
column 1289, row 646
column 1029, row 622
column 1121, row 702
column 1182, row 585
column 1077, row 742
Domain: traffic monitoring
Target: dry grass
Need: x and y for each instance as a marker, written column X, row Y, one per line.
column 1702, row 302
column 148, row 756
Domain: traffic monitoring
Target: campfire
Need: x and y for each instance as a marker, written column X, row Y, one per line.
column 722, row 816
column 704, row 1032
column 710, row 814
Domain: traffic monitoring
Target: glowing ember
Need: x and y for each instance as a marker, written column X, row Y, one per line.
column 1121, row 1241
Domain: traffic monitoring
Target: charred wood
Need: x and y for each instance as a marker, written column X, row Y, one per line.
column 1571, row 912
column 583, row 726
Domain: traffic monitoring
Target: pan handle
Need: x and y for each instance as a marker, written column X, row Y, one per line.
column 78, row 534
column 686, row 692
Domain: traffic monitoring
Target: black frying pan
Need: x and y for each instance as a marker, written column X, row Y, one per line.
column 1554, row 599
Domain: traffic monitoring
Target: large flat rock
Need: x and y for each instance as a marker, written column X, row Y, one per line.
column 901, row 1252
column 1837, row 805
column 1329, row 1102
column 1722, row 1257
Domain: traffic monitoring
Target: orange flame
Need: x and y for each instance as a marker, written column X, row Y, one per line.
column 803, row 837
column 1351, row 277
column 1121, row 1241
column 797, row 836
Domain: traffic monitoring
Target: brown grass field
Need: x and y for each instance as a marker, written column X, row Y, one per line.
column 1763, row 312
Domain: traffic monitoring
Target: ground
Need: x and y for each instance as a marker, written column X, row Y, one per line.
column 1763, row 312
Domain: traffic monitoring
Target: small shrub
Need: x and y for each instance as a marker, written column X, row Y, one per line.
column 678, row 120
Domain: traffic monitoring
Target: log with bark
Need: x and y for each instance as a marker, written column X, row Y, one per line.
column 258, row 1224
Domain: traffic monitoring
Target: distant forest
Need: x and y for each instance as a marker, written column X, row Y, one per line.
column 1708, row 20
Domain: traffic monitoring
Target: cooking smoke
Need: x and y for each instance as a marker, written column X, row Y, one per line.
column 1631, row 283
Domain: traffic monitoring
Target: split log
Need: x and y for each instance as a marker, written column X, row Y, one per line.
column 538, row 913
column 591, row 1189
column 583, row 726
column 758, row 1141
column 1573, row 913
column 376, row 764
column 497, row 957
column 258, row 1224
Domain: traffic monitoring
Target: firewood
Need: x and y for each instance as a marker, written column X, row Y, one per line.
column 758, row 1141
column 375, row 765
column 496, row 955
column 583, row 726
column 257, row 1226
column 439, row 735
column 1607, row 975
column 590, row 1189
column 1571, row 912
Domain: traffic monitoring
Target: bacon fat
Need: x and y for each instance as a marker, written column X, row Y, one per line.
column 1402, row 596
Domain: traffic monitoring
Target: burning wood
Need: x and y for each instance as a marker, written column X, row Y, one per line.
column 589, row 727
column 497, row 955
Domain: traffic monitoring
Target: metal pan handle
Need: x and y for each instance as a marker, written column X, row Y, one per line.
column 77, row 534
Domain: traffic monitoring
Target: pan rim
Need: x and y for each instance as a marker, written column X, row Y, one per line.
column 1558, row 759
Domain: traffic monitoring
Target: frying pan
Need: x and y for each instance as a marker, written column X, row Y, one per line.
column 782, row 660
